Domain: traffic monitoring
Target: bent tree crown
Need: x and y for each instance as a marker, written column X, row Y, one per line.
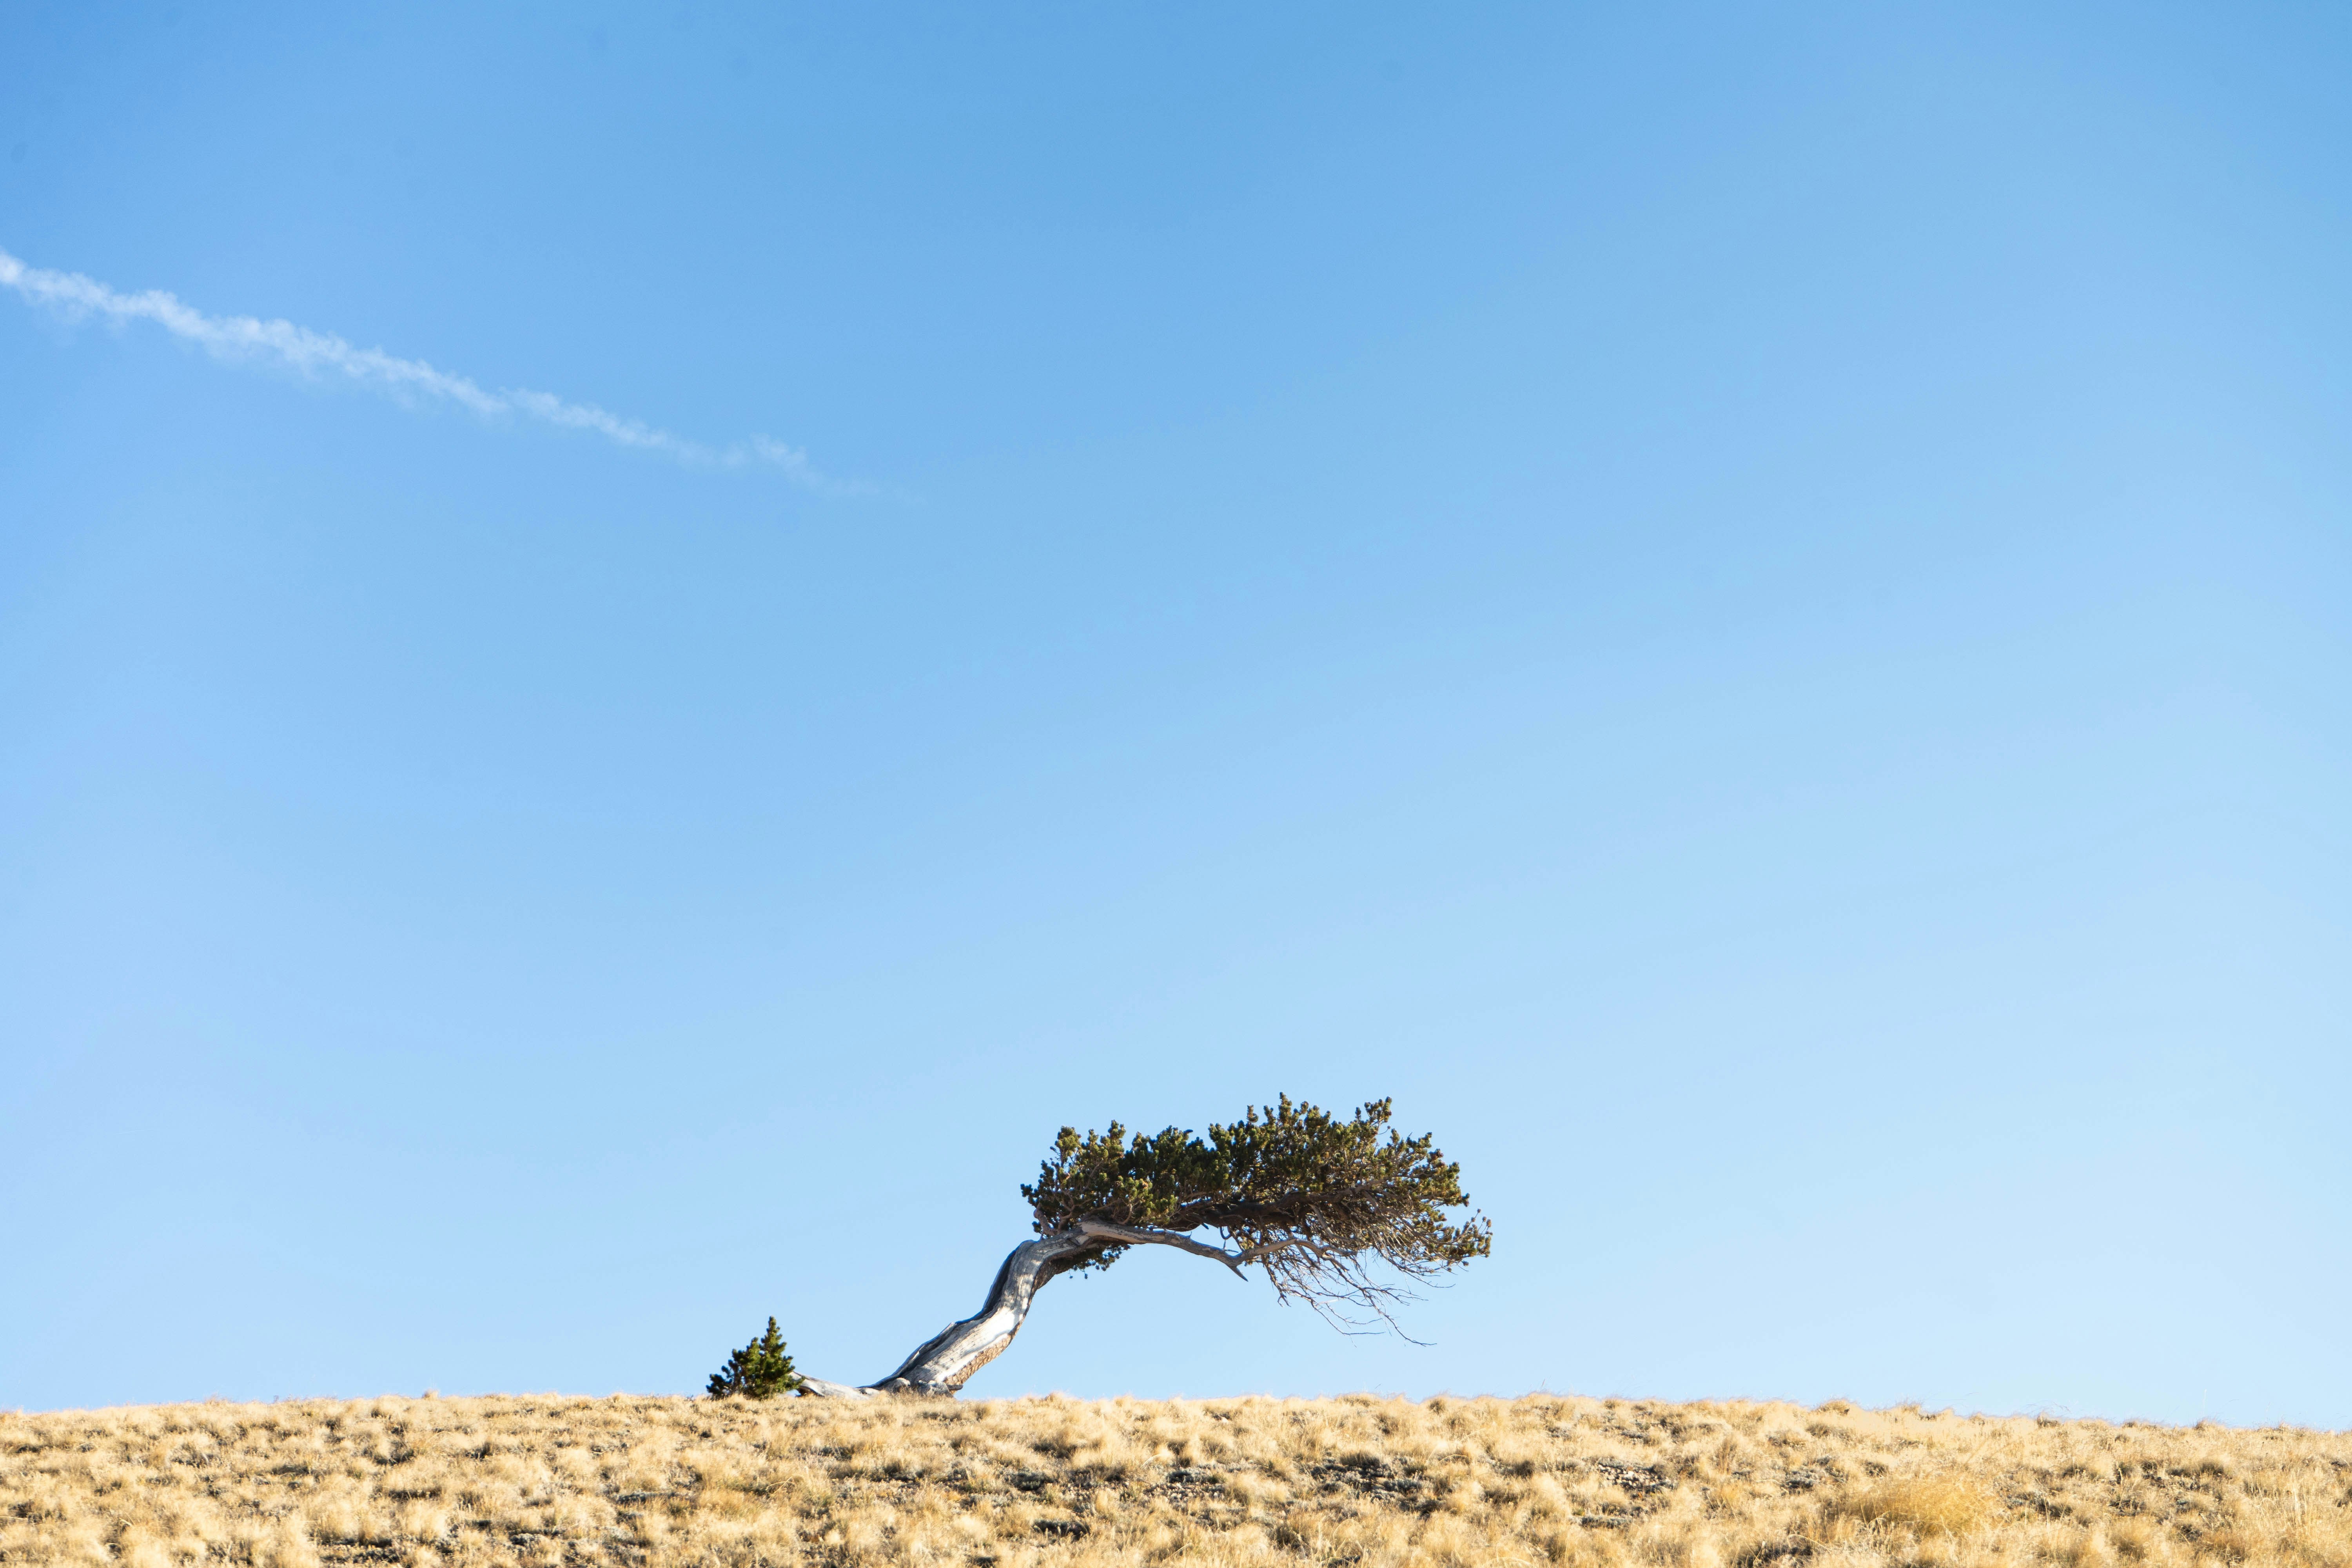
column 1317, row 1201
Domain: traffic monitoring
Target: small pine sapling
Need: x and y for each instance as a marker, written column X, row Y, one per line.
column 760, row 1369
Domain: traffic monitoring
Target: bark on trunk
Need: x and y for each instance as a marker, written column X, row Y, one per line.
column 943, row 1364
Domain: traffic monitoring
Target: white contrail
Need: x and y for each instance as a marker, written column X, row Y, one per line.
column 300, row 349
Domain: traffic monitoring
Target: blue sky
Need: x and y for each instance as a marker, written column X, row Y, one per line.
column 1747, row 609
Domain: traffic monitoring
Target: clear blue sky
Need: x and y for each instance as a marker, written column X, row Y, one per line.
column 1747, row 608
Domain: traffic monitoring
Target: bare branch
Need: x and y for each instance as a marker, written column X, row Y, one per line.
column 1102, row 1230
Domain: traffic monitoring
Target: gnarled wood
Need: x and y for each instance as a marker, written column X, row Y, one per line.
column 944, row 1362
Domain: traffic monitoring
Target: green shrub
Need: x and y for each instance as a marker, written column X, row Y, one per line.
column 760, row 1369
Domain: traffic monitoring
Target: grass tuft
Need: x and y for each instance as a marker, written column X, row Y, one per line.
column 1924, row 1505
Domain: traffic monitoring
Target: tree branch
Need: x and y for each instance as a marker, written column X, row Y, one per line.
column 1102, row 1230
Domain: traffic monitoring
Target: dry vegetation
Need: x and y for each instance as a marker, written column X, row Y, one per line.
column 581, row 1483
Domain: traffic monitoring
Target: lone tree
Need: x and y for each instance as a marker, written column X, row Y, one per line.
column 1314, row 1200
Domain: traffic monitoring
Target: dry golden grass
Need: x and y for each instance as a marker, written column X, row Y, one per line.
column 581, row 1483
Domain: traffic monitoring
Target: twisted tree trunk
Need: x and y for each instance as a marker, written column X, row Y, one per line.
column 943, row 1364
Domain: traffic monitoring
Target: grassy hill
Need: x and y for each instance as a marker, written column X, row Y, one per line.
column 552, row 1482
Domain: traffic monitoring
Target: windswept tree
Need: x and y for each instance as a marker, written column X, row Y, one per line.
column 1342, row 1214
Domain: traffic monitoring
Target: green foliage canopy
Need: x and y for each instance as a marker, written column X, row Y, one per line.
column 1314, row 1198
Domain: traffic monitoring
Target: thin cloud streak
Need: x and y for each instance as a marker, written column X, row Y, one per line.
column 246, row 338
